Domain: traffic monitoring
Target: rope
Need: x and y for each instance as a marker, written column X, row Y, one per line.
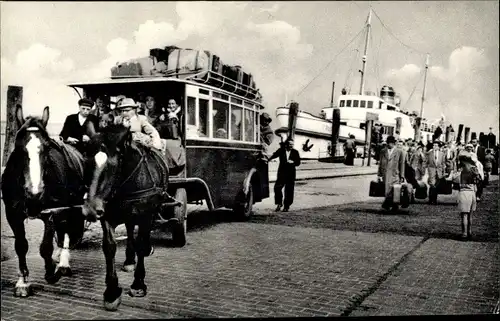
column 390, row 32
column 328, row 64
column 421, row 74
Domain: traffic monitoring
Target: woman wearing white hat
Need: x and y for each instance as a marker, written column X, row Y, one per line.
column 141, row 129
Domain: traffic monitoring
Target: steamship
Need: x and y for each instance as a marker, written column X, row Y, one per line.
column 313, row 133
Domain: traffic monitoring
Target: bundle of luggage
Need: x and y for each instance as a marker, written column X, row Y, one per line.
column 401, row 193
column 175, row 60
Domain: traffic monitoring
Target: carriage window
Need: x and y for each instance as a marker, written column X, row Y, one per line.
column 204, row 92
column 247, row 104
column 342, row 103
column 370, row 104
column 191, row 110
column 203, row 118
column 362, row 103
column 348, row 103
column 249, row 125
column 355, row 103
column 220, row 96
column 220, row 119
column 380, row 104
column 236, row 122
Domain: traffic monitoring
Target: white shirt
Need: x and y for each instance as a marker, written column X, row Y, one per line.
column 287, row 154
column 436, row 156
column 81, row 119
column 391, row 150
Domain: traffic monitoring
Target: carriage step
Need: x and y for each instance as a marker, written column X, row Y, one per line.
column 169, row 221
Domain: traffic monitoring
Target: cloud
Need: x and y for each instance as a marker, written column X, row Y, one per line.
column 39, row 69
column 408, row 70
column 464, row 89
column 269, row 51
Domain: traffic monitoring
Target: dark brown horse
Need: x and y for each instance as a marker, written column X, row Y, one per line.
column 43, row 174
column 128, row 187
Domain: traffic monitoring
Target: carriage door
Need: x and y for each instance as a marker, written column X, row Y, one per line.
column 191, row 123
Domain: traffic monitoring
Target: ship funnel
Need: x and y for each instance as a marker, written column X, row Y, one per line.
column 388, row 95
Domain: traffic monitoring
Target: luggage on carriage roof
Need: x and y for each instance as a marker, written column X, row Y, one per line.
column 217, row 64
column 134, row 67
column 185, row 60
column 377, row 189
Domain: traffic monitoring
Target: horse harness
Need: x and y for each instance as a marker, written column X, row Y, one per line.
column 141, row 196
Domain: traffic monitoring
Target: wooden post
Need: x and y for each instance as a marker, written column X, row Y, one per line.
column 334, row 138
column 293, row 111
column 14, row 98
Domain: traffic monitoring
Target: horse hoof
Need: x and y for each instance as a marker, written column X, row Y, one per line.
column 65, row 271
column 128, row 268
column 23, row 291
column 54, row 278
column 137, row 293
column 113, row 306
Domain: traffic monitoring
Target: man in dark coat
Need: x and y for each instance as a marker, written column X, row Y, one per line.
column 289, row 160
column 350, row 150
column 391, row 170
column 79, row 128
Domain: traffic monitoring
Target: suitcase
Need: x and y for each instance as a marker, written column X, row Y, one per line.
column 239, row 74
column 377, row 189
column 421, row 191
column 406, row 192
column 444, row 187
column 216, row 64
column 396, row 193
column 135, row 67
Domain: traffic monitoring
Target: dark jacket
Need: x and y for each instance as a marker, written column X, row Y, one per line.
column 285, row 169
column 72, row 127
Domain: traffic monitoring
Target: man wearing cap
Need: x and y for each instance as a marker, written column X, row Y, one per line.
column 391, row 170
column 435, row 168
column 79, row 128
column 138, row 124
column 289, row 160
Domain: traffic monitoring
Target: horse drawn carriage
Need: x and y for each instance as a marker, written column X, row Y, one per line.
column 214, row 160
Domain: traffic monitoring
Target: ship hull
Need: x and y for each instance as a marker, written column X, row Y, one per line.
column 316, row 131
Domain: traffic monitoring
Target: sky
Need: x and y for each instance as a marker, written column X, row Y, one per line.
column 295, row 50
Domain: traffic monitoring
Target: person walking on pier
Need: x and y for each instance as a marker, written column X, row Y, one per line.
column 435, row 168
column 289, row 160
column 391, row 170
column 350, row 150
column 468, row 177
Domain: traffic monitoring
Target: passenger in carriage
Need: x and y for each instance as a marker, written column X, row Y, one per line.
column 79, row 128
column 142, row 130
column 103, row 112
column 266, row 134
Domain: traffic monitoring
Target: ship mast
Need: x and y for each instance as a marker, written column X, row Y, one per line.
column 423, row 91
column 362, row 71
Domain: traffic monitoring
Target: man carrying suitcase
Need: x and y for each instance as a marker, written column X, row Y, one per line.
column 436, row 169
column 391, row 170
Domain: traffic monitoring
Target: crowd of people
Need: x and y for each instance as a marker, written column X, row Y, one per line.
column 465, row 167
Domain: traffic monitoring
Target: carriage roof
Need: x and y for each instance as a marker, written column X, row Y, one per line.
column 154, row 79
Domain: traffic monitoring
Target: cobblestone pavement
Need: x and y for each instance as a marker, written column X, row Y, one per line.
column 348, row 258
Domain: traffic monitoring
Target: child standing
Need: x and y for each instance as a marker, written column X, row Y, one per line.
column 468, row 177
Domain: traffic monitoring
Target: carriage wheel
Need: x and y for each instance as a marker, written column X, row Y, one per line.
column 179, row 229
column 244, row 209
